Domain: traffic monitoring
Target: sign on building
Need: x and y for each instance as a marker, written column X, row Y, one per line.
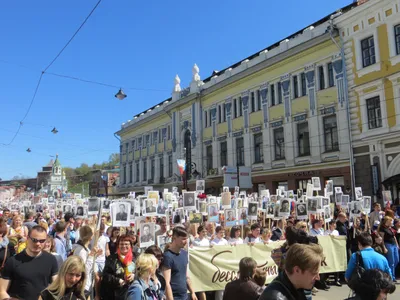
column 230, row 177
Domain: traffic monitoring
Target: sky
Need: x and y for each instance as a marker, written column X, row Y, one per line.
column 137, row 45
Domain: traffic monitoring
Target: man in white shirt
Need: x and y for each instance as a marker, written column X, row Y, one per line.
column 202, row 240
column 254, row 237
column 219, row 237
column 332, row 229
column 376, row 215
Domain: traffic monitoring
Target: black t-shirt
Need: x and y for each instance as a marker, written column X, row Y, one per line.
column 388, row 236
column 69, row 295
column 29, row 275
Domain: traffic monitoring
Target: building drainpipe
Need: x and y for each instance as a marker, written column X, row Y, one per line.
column 332, row 28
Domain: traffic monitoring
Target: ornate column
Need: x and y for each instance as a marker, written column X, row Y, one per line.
column 248, row 150
column 156, row 169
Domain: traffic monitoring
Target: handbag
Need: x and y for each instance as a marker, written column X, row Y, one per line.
column 358, row 271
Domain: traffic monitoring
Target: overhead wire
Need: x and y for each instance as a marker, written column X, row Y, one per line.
column 48, row 66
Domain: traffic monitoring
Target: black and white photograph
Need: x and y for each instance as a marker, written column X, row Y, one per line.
column 355, row 208
column 319, row 204
column 106, row 205
column 120, row 212
column 345, row 200
column 367, row 204
column 178, row 216
column 338, row 198
column 329, row 187
column 301, row 211
column 51, row 200
column 299, row 193
column 252, row 209
column 316, row 183
column 284, row 208
column 180, row 202
column 189, row 200
column 338, row 189
column 312, row 205
column 147, row 237
column 66, row 208
column 93, row 206
column 150, row 206
column 359, row 194
column 200, row 186
column 162, row 207
column 80, row 211
column 162, row 240
column 225, row 189
column 237, row 189
column 195, row 218
column 325, row 201
column 59, row 206
column 230, row 217
column 270, row 210
column 276, row 210
column 327, row 213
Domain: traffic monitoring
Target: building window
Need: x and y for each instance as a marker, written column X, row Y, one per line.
column 224, row 154
column 331, row 133
column 397, row 38
column 295, row 87
column 258, row 148
column 224, row 112
column 133, row 145
column 374, row 113
column 152, row 169
column 279, row 92
column 159, row 135
column 205, row 119
column 209, row 117
column 303, row 138
column 137, row 172
column 169, row 132
column 272, row 94
column 219, row 114
column 331, row 79
column 240, row 151
column 368, row 51
column 161, row 167
column 130, row 173
column 240, row 107
column 209, row 155
column 258, row 100
column 124, row 175
column 170, row 165
column 126, row 147
column 303, row 84
column 253, row 102
column 279, row 143
column 235, row 108
column 145, row 170
column 321, row 77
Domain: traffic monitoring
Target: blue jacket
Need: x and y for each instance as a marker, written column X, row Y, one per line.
column 139, row 290
column 371, row 260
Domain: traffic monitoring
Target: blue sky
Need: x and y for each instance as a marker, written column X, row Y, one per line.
column 136, row 44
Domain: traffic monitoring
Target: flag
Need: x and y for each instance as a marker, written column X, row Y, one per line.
column 181, row 165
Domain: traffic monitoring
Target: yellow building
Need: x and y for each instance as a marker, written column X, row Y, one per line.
column 370, row 34
column 280, row 112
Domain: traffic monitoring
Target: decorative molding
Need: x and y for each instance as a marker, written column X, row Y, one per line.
column 256, row 129
column 276, row 124
column 300, row 118
column 328, row 110
column 237, row 133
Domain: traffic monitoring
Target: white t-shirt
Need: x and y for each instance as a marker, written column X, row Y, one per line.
column 238, row 241
column 101, row 244
column 219, row 242
column 88, row 260
column 329, row 232
column 253, row 240
column 201, row 243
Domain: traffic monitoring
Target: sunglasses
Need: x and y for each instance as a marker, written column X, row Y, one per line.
column 37, row 241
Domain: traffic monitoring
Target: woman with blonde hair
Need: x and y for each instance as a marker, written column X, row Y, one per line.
column 70, row 282
column 143, row 287
column 18, row 234
column 50, row 247
column 389, row 238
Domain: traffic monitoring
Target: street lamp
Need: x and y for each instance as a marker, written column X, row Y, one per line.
column 120, row 95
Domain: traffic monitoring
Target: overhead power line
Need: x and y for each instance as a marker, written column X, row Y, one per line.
column 48, row 66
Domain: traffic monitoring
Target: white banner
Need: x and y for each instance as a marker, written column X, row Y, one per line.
column 230, row 177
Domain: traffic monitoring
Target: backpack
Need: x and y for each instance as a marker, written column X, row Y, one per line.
column 358, row 271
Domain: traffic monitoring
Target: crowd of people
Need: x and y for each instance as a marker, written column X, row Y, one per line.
column 70, row 257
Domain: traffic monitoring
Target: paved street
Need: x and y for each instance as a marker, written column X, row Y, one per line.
column 340, row 293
